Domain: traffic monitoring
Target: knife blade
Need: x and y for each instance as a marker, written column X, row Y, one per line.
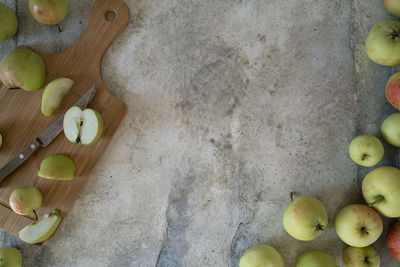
column 45, row 138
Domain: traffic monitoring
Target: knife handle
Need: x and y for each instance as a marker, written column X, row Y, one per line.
column 19, row 159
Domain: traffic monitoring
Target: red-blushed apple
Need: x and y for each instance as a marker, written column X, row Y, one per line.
column 48, row 11
column 393, row 90
column 393, row 240
column 360, row 257
column 393, row 6
column 25, row 199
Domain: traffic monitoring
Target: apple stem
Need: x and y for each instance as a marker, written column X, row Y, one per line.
column 364, row 156
column 36, row 217
column 291, row 196
column 320, row 227
column 59, row 28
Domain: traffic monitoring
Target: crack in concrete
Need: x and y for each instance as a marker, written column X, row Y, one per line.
column 165, row 235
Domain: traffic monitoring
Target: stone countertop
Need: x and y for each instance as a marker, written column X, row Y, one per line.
column 232, row 104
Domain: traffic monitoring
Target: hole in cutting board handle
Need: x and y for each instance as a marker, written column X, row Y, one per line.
column 110, row 15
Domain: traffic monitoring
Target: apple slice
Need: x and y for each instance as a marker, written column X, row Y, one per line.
column 83, row 126
column 57, row 167
column 40, row 230
column 10, row 257
column 54, row 93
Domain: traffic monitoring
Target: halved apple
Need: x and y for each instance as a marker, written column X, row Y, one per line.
column 54, row 93
column 40, row 230
column 58, row 167
column 83, row 126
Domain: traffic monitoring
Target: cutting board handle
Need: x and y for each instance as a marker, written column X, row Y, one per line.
column 108, row 20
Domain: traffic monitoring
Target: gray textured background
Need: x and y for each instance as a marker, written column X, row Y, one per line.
column 231, row 105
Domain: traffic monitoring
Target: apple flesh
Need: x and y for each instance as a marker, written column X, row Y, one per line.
column 41, row 230
column 366, row 150
column 391, row 129
column 57, row 167
column 315, row 259
column 383, row 43
column 393, row 240
column 25, row 199
column 8, row 22
column 261, row 255
column 24, row 69
column 358, row 225
column 83, row 126
column 393, row 6
column 381, row 190
column 360, row 257
column 53, row 94
column 10, row 257
column 48, row 11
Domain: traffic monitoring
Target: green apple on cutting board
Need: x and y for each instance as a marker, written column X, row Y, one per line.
column 57, row 167
column 10, row 257
column 261, row 255
column 48, row 11
column 315, row 259
column 25, row 199
column 24, row 69
column 360, row 257
column 54, row 93
column 8, row 22
column 40, row 230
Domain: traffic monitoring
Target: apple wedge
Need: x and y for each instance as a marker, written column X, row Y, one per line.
column 83, row 126
column 54, row 93
column 57, row 167
column 42, row 229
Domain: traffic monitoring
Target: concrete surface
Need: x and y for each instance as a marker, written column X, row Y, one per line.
column 232, row 104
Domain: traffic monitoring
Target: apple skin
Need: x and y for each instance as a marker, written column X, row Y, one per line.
column 393, row 240
column 25, row 199
column 53, row 94
column 366, row 150
column 49, row 11
column 358, row 225
column 57, row 167
column 381, row 190
column 393, row 90
column 360, row 257
column 305, row 218
column 390, row 129
column 383, row 43
column 24, row 69
column 42, row 229
column 261, row 255
column 8, row 22
column 315, row 259
column 393, row 6
column 10, row 257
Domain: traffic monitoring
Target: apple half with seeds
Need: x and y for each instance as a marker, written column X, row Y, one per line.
column 83, row 126
column 57, row 167
column 40, row 230
column 54, row 93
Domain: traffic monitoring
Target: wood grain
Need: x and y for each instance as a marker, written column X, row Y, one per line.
column 21, row 119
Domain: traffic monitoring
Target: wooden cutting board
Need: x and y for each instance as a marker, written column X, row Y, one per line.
column 21, row 120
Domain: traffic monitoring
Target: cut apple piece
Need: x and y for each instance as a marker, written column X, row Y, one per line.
column 42, row 229
column 83, row 126
column 53, row 95
column 58, row 167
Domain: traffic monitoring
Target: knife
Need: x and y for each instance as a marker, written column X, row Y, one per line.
column 45, row 138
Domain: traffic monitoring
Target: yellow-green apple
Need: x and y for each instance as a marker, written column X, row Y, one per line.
column 24, row 69
column 381, row 190
column 40, row 230
column 54, row 93
column 10, row 257
column 360, row 257
column 25, row 199
column 393, row 240
column 83, row 126
column 8, row 22
column 358, row 225
column 383, row 43
column 305, row 218
column 393, row 6
column 390, row 129
column 315, row 259
column 48, row 11
column 366, row 150
column 393, row 90
column 261, row 255
column 58, row 167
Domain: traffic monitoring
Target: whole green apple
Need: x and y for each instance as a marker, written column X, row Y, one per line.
column 305, row 218
column 393, row 6
column 23, row 68
column 366, row 150
column 261, row 255
column 10, row 257
column 315, row 259
column 383, row 43
column 48, row 11
column 381, row 190
column 391, row 129
column 393, row 90
column 393, row 240
column 360, row 257
column 25, row 199
column 358, row 225
column 8, row 22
